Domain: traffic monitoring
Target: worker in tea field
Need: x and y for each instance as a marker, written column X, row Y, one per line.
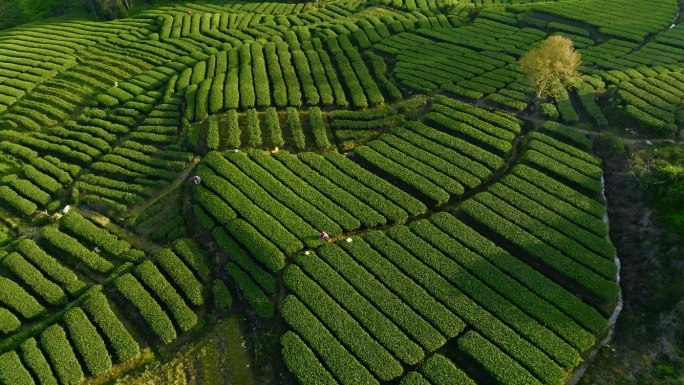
column 324, row 235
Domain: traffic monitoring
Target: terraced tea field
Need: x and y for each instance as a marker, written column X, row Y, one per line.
column 162, row 171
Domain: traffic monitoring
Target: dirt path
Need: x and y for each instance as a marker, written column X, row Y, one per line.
column 135, row 241
column 182, row 178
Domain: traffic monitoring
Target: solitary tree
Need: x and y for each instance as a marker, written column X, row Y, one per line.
column 552, row 65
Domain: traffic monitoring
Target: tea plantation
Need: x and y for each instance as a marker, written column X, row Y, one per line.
column 160, row 171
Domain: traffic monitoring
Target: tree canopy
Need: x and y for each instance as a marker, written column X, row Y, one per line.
column 552, row 65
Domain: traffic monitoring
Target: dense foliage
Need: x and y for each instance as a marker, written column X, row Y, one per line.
column 366, row 186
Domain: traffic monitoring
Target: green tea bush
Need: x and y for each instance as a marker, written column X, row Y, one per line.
column 295, row 126
column 8, row 321
column 17, row 202
column 148, row 307
column 100, row 311
column 253, row 128
column 87, row 341
column 233, row 130
column 74, row 249
column 153, row 279
column 223, row 300
column 254, row 295
column 261, row 83
column 35, row 360
column 34, row 279
column 273, row 126
column 85, row 229
column 247, row 93
column 181, row 276
column 213, row 138
column 12, row 371
column 56, row 345
column 276, row 75
column 318, row 129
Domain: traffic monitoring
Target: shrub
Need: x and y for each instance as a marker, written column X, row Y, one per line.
column 276, row 75
column 87, row 341
column 302, row 362
column 418, row 181
column 549, row 110
column 190, row 102
column 16, row 298
column 335, row 356
column 124, row 345
column 301, row 64
column 35, row 360
column 285, row 196
column 410, row 204
column 294, row 95
column 223, row 300
column 204, row 219
column 318, row 129
column 231, row 92
column 247, row 93
column 254, row 295
column 213, row 133
column 335, row 85
column 602, row 288
column 318, row 73
column 61, row 355
column 439, row 370
column 83, row 228
column 471, row 312
column 358, row 303
column 20, row 204
column 202, row 100
column 199, row 72
column 233, row 140
column 499, row 365
column 261, row 83
column 357, row 188
column 190, row 252
column 213, row 203
column 153, row 278
column 304, row 189
column 74, row 249
column 295, row 126
column 12, row 371
column 181, row 276
column 273, row 125
column 216, row 97
column 148, row 307
column 348, row 75
column 253, row 128
column 8, row 321
column 246, row 262
column 50, row 266
column 45, row 288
